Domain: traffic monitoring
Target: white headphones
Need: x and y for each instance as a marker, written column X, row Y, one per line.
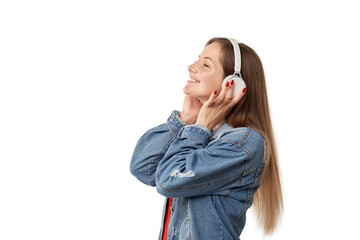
column 239, row 83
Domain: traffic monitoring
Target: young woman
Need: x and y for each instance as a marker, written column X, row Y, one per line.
column 216, row 157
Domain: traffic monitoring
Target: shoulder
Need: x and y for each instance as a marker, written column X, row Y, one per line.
column 246, row 138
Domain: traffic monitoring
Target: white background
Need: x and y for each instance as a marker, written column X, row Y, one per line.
column 81, row 81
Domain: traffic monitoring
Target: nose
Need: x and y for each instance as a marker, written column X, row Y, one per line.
column 192, row 67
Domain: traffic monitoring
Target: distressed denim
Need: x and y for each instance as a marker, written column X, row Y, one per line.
column 211, row 176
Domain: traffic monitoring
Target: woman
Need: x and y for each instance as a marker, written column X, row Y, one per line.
column 211, row 159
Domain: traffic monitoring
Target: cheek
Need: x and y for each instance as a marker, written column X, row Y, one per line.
column 215, row 83
column 209, row 87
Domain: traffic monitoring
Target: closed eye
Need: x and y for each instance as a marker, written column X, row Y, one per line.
column 205, row 65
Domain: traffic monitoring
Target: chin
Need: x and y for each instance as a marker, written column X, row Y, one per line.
column 188, row 91
column 201, row 96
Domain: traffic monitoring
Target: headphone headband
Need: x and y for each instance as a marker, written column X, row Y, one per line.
column 237, row 54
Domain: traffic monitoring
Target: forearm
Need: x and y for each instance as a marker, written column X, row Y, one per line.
column 152, row 147
column 192, row 167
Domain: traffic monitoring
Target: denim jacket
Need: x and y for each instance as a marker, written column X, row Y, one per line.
column 211, row 176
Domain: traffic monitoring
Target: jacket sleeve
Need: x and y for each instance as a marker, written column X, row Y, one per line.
column 151, row 148
column 192, row 167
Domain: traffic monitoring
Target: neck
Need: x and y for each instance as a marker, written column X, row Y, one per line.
column 217, row 126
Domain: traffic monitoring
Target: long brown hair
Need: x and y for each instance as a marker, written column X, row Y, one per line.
column 253, row 111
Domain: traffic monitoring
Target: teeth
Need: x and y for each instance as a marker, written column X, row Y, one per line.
column 192, row 80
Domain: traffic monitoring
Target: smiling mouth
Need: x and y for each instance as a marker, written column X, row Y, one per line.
column 195, row 81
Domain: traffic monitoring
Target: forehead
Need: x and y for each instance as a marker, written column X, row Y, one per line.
column 213, row 51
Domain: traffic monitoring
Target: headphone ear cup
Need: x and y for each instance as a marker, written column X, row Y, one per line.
column 239, row 84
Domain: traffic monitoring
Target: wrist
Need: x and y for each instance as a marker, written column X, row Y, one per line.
column 204, row 124
column 186, row 118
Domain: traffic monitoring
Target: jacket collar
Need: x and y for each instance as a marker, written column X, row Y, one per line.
column 224, row 128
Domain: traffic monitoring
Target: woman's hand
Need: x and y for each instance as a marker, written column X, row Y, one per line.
column 190, row 111
column 216, row 108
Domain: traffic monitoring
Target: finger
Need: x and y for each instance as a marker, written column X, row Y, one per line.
column 213, row 96
column 230, row 91
column 238, row 96
column 224, row 91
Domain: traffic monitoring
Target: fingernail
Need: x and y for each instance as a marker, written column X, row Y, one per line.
column 232, row 81
column 244, row 90
column 227, row 84
column 215, row 91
